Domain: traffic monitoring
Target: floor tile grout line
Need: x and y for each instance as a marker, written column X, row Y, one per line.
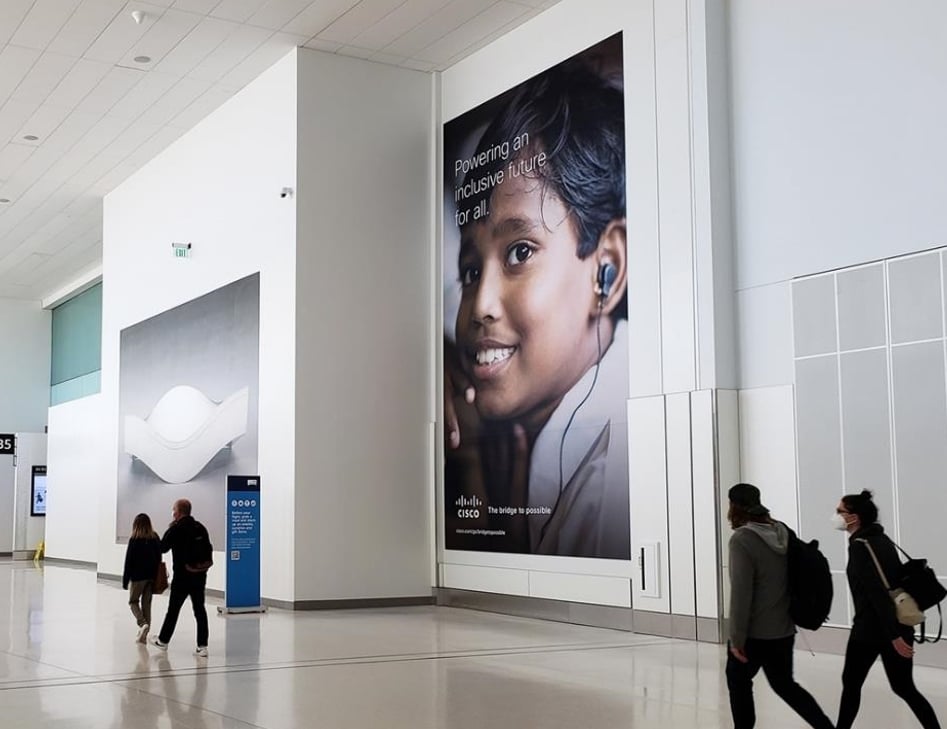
column 328, row 662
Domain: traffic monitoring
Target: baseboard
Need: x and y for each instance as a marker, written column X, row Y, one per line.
column 78, row 563
column 350, row 604
column 561, row 611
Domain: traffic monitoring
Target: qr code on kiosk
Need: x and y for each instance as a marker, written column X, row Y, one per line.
column 234, row 555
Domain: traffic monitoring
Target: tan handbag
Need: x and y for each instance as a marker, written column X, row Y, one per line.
column 904, row 605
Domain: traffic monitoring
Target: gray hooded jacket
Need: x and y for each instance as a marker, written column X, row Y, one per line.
column 759, row 592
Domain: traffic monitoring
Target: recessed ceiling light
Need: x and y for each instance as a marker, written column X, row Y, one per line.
column 4, row 200
column 30, row 137
column 142, row 59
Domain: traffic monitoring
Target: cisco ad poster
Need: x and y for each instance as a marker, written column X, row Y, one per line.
column 535, row 315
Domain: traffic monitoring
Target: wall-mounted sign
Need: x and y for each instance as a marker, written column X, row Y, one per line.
column 38, row 491
column 7, row 444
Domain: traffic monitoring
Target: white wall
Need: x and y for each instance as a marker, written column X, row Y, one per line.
column 838, row 159
column 217, row 187
column 78, row 467
column 363, row 358
column 838, row 144
column 680, row 268
column 24, row 366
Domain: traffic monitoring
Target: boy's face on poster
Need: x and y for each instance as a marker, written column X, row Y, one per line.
column 525, row 326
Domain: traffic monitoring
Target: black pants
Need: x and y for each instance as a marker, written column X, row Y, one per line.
column 775, row 658
column 183, row 586
column 859, row 657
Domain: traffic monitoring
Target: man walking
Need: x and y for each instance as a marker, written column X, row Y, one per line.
column 761, row 632
column 191, row 551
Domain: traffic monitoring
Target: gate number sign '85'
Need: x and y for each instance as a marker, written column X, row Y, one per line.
column 7, row 444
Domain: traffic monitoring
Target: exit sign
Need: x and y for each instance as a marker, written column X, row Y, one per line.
column 181, row 250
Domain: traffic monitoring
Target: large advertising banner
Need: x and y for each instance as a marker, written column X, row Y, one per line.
column 188, row 384
column 535, row 316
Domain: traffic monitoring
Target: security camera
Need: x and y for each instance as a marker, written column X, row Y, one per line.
column 286, row 192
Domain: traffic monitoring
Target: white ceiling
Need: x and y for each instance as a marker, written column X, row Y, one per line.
column 69, row 77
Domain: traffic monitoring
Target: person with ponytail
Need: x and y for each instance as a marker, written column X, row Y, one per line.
column 875, row 627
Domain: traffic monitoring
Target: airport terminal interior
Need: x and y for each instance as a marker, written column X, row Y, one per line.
column 452, row 323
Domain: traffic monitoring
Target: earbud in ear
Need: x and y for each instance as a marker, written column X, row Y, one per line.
column 607, row 273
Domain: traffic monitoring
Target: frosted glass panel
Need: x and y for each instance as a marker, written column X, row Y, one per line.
column 866, row 426
column 820, row 452
column 861, row 308
column 916, row 308
column 920, row 421
column 813, row 314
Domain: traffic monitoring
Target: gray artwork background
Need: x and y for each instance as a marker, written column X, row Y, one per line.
column 211, row 343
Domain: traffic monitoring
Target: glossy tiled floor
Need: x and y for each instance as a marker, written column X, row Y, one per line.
column 68, row 659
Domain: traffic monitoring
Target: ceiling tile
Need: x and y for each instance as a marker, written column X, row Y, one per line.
column 354, row 21
column 146, row 92
column 13, row 115
column 241, row 43
column 43, row 23
column 176, row 100
column 85, row 25
column 445, row 20
column 354, row 52
column 82, row 78
column 198, row 44
column 13, row 13
column 275, row 47
column 11, row 157
column 318, row 16
column 123, row 33
column 161, row 38
column 397, row 23
column 201, row 107
column 45, row 75
column 15, row 64
column 318, row 44
column 497, row 16
column 238, row 11
column 276, row 14
column 42, row 123
column 201, row 7
column 109, row 91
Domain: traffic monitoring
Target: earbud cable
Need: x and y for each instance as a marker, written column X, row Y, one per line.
column 562, row 441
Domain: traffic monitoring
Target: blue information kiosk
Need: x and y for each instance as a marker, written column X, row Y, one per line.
column 242, row 593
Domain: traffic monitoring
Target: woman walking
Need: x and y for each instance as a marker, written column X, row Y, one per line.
column 141, row 565
column 875, row 627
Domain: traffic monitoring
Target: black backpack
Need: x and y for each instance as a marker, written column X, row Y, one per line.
column 810, row 583
column 198, row 553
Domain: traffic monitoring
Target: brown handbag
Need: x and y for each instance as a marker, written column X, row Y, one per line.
column 161, row 579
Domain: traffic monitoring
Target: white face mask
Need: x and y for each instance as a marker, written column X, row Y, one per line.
column 838, row 522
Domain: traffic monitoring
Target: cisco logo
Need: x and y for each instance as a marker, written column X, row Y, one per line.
column 468, row 508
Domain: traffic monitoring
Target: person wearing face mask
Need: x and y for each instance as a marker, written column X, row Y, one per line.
column 762, row 632
column 875, row 627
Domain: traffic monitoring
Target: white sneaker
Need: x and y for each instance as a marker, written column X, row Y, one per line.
column 156, row 641
column 201, row 651
column 143, row 633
